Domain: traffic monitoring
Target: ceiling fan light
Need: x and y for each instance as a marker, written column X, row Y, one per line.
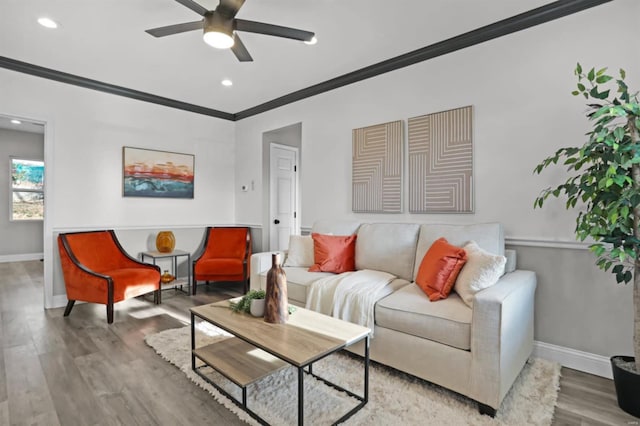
column 218, row 30
column 218, row 40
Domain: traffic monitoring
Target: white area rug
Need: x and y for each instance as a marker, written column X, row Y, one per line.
column 394, row 398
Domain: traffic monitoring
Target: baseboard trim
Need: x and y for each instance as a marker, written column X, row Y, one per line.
column 21, row 257
column 571, row 358
column 58, row 301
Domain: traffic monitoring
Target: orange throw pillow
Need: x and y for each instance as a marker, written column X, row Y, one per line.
column 333, row 253
column 439, row 269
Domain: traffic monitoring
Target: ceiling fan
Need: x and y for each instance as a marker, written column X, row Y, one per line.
column 220, row 27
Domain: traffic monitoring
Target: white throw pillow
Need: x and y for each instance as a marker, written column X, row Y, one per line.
column 482, row 270
column 300, row 251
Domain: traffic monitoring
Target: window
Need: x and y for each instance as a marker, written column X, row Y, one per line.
column 27, row 189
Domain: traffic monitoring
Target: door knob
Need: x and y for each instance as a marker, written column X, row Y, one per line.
column 276, row 221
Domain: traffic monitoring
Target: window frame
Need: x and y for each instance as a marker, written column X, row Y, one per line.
column 13, row 190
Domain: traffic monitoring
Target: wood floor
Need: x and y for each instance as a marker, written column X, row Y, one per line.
column 80, row 371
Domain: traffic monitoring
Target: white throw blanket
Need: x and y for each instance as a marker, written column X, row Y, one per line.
column 350, row 296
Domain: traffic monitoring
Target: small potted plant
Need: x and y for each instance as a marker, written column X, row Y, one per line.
column 607, row 186
column 251, row 303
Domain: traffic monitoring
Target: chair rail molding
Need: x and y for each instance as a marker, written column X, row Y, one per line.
column 548, row 243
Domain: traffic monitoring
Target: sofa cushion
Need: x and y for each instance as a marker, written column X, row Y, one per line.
column 388, row 247
column 410, row 311
column 440, row 268
column 300, row 251
column 489, row 237
column 298, row 279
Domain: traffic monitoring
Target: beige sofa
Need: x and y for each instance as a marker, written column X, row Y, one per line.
column 477, row 351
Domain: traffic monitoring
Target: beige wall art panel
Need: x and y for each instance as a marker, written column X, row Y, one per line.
column 441, row 162
column 378, row 168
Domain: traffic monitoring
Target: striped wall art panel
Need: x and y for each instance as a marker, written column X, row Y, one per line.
column 378, row 168
column 441, row 162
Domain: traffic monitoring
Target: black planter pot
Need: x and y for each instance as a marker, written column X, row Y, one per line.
column 627, row 386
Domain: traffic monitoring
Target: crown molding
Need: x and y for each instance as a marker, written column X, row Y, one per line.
column 533, row 17
column 76, row 80
column 522, row 21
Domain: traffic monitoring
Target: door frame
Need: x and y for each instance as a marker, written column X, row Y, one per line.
column 48, row 298
column 290, row 135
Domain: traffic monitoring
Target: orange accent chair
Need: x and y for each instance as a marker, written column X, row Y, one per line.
column 224, row 256
column 96, row 269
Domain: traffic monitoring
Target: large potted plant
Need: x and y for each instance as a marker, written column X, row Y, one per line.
column 605, row 179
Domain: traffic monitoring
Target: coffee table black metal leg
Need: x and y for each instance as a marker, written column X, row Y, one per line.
column 189, row 273
column 300, row 396
column 193, row 342
column 366, row 370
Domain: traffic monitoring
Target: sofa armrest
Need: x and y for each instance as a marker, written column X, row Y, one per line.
column 260, row 263
column 512, row 259
column 501, row 335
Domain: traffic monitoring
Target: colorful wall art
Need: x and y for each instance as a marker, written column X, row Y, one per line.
column 441, row 162
column 378, row 168
column 160, row 174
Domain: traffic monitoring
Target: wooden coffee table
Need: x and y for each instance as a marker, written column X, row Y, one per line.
column 306, row 338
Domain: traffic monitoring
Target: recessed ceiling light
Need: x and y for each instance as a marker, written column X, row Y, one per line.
column 226, row 82
column 47, row 22
column 16, row 121
column 314, row 40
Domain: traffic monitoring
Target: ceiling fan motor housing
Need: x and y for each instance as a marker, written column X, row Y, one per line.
column 220, row 26
column 216, row 22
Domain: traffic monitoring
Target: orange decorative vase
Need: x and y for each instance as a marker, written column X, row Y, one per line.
column 166, row 278
column 165, row 242
column 276, row 310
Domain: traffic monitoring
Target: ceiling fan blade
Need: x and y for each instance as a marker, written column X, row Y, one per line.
column 229, row 8
column 240, row 50
column 193, row 6
column 175, row 29
column 272, row 30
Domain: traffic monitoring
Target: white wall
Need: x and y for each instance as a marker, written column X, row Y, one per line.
column 20, row 239
column 520, row 88
column 84, row 136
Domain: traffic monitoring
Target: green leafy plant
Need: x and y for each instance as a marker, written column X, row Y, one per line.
column 244, row 304
column 606, row 180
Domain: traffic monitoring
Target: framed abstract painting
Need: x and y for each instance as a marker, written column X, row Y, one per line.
column 441, row 162
column 377, row 168
column 157, row 174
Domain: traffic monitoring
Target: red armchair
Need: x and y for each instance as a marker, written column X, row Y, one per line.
column 96, row 269
column 224, row 256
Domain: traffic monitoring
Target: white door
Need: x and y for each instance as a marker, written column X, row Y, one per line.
column 283, row 192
